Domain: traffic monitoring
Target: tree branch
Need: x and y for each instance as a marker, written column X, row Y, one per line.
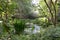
column 54, row 11
column 49, row 10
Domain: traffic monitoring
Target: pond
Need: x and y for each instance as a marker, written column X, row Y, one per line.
column 33, row 29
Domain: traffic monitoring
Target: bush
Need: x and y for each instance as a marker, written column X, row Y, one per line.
column 19, row 26
column 51, row 33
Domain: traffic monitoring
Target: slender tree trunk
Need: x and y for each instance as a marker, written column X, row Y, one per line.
column 49, row 5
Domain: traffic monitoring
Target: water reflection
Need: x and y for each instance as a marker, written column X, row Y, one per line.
column 33, row 29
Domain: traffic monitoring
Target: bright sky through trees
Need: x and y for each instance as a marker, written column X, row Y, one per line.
column 35, row 2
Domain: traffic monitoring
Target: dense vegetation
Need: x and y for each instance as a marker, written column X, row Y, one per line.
column 29, row 20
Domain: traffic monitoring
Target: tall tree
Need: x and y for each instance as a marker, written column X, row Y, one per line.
column 51, row 4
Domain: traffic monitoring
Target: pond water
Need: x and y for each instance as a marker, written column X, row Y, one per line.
column 34, row 28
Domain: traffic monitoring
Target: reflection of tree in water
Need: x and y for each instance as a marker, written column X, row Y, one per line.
column 33, row 28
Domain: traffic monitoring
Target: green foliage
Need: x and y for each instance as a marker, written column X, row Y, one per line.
column 12, row 7
column 7, row 7
column 19, row 26
column 6, row 27
column 4, row 5
column 43, row 21
column 43, row 9
column 51, row 33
